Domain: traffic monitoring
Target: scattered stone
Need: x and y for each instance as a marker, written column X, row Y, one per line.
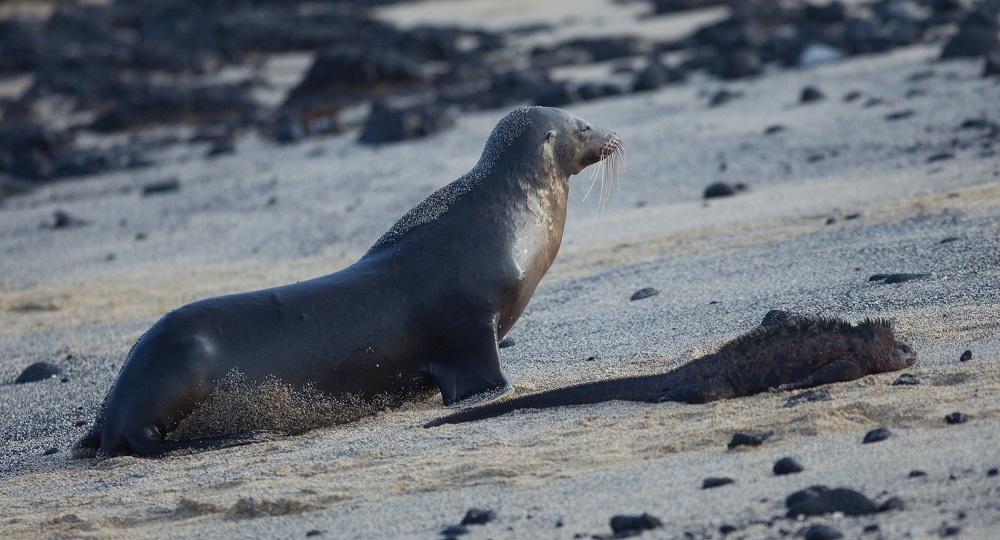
column 896, row 278
column 714, row 482
column 871, row 528
column 623, row 525
column 50, row 451
column 917, row 473
column 725, row 529
column 853, row 95
column 722, row 189
column 644, row 293
column 956, row 418
column 64, row 220
column 940, row 156
column 948, row 240
column 811, row 94
column 39, row 371
column 385, row 124
column 966, row 356
column 722, row 97
column 876, row 435
column 476, row 516
column 899, row 115
column 892, row 503
column 170, row 185
column 816, row 502
column 743, row 439
column 993, row 472
column 787, row 465
column 221, row 147
column 314, row 532
column 951, row 531
column 822, row 532
column 992, row 65
column 906, row 379
column 818, row 394
column 506, row 342
column 655, row 75
column 976, row 36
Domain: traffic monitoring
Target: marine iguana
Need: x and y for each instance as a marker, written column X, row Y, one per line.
column 789, row 354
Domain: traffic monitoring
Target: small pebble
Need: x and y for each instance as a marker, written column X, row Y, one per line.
column 876, row 435
column 169, row 185
column 966, row 356
column 50, row 451
column 314, row 532
column 787, row 465
column 621, row 523
column 744, row 439
column 899, row 115
column 821, row 394
column 476, row 516
column 871, row 528
column 722, row 189
column 776, row 128
column 644, row 293
column 811, row 94
column 714, row 482
column 815, row 502
column 906, row 379
column 956, row 418
column 892, row 503
column 993, row 472
column 917, row 473
column 951, row 531
column 727, row 529
column 940, row 156
column 822, row 532
column 896, row 278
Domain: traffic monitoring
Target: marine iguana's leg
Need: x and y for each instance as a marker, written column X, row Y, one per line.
column 715, row 388
column 469, row 365
column 839, row 370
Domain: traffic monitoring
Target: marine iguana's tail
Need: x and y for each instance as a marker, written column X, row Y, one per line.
column 640, row 388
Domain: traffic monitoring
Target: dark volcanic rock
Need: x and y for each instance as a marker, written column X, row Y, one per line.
column 392, row 125
column 62, row 219
column 744, row 439
column 956, row 418
column 655, row 75
column 39, row 371
column 822, row 532
column 896, row 278
column 345, row 71
column 966, row 356
column 622, row 524
column 991, row 66
column 892, row 503
column 976, row 36
column 476, row 516
column 169, row 185
column 811, row 94
column 906, row 379
column 816, row 502
column 714, row 482
column 644, row 293
column 787, row 465
column 876, row 435
column 722, row 189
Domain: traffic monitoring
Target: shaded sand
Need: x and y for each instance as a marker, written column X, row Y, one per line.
column 805, row 237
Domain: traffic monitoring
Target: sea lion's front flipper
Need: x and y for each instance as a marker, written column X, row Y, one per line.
column 468, row 366
column 839, row 370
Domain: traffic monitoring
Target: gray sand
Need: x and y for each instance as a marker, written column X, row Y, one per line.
column 270, row 215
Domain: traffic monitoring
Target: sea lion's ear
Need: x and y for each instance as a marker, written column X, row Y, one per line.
column 550, row 136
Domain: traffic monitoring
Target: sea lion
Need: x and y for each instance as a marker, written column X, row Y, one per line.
column 424, row 306
column 790, row 353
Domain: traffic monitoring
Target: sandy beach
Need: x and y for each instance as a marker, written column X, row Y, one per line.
column 898, row 179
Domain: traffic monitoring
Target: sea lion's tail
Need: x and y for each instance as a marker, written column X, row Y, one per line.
column 640, row 388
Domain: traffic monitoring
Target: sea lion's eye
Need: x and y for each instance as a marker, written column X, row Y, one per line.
column 585, row 129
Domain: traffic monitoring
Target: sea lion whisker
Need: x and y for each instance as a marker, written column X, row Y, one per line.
column 593, row 178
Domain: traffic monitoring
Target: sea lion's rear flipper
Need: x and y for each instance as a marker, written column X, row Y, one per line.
column 839, row 370
column 716, row 388
column 469, row 365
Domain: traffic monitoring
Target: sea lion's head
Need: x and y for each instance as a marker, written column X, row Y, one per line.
column 570, row 143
